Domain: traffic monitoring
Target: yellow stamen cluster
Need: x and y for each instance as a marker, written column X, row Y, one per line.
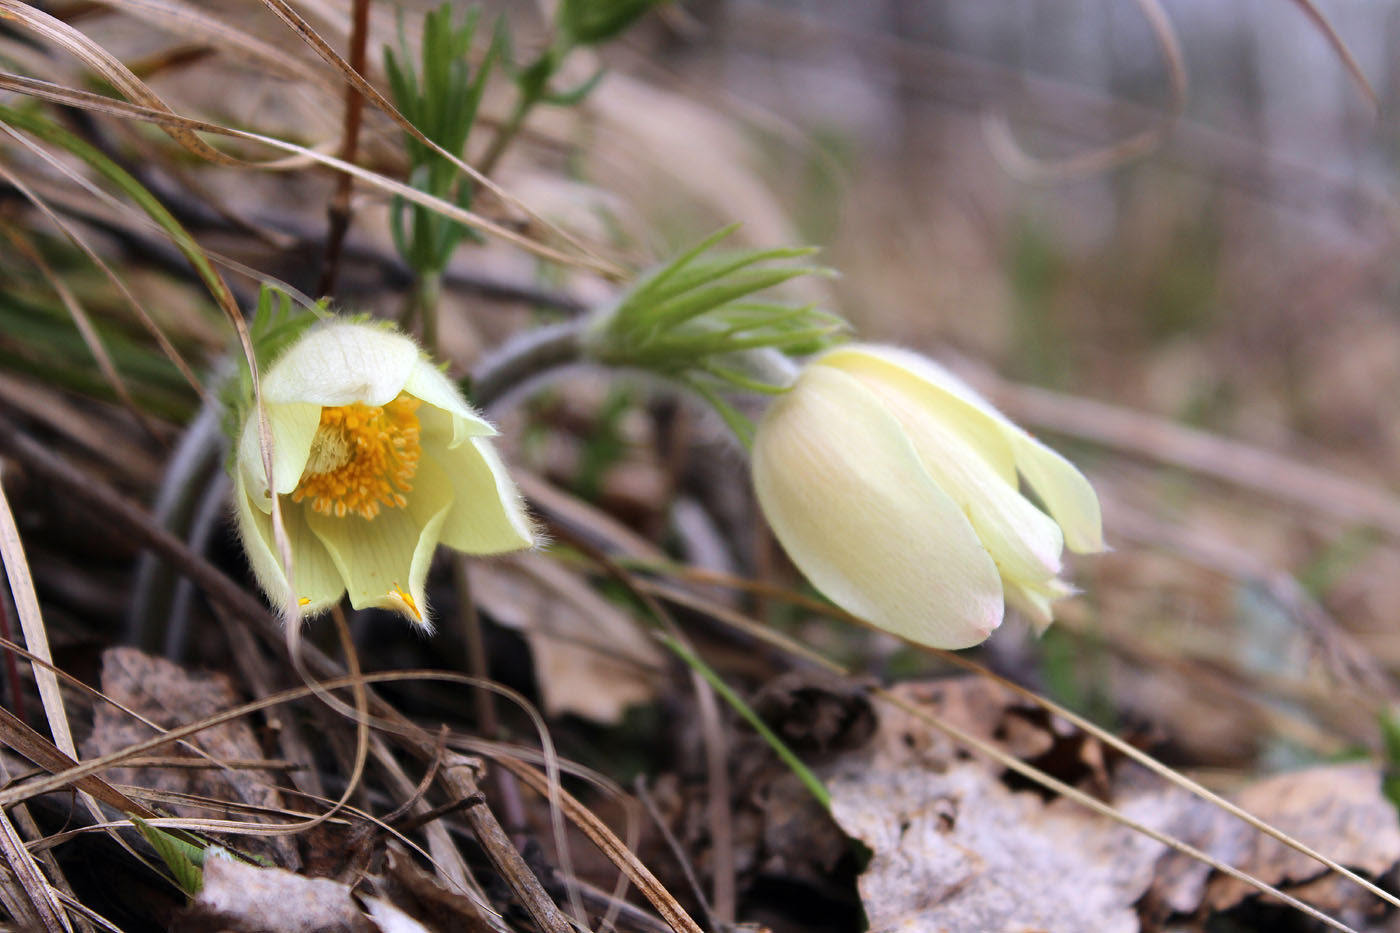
column 363, row 458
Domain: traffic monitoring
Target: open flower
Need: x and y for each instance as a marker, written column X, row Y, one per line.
column 376, row 459
column 892, row 485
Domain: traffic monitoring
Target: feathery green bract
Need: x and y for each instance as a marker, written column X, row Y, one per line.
column 689, row 316
column 440, row 98
column 700, row 320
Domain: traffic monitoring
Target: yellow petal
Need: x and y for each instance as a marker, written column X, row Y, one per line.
column 487, row 516
column 933, row 388
column 318, row 582
column 1024, row 541
column 430, row 384
column 1065, row 491
column 849, row 498
column 293, row 426
column 340, row 363
column 384, row 560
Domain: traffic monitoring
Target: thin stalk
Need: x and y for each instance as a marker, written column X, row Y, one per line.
column 507, row 133
column 525, row 357
column 339, row 209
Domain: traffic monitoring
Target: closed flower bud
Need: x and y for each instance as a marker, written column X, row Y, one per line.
column 376, row 460
column 893, row 486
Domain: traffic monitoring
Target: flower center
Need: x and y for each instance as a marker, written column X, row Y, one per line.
column 363, row 458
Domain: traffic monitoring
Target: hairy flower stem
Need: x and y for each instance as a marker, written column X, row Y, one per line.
column 525, row 357
column 532, row 354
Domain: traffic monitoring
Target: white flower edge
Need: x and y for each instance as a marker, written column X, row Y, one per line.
column 849, row 498
column 1067, row 494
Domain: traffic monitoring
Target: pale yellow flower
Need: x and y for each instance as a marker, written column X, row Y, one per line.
column 893, row 486
column 377, row 459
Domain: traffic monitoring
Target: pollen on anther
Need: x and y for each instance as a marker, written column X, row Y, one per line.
column 362, row 458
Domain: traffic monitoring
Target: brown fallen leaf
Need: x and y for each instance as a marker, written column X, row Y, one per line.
column 956, row 847
column 168, row 695
column 590, row 658
column 1338, row 809
column 959, row 851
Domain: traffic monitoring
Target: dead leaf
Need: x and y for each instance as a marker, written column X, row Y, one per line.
column 1337, row 809
column 169, row 696
column 955, row 849
column 959, row 851
column 243, row 898
column 591, row 658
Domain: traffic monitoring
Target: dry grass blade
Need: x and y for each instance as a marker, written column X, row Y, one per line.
column 60, row 34
column 246, row 49
column 98, row 104
column 32, row 623
column 43, row 785
column 611, row 846
column 1021, row 164
column 75, row 309
column 303, row 29
column 1349, row 62
column 17, row 735
column 67, row 230
column 42, row 898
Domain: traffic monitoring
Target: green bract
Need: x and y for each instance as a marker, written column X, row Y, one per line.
column 702, row 320
column 893, row 487
column 376, row 458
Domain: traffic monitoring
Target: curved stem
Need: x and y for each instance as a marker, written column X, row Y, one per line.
column 525, row 357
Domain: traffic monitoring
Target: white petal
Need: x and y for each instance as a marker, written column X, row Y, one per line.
column 317, row 579
column 936, row 389
column 430, row 384
column 383, row 558
column 1024, row 541
column 293, row 427
column 1064, row 490
column 487, row 515
column 1034, row 602
column 341, row 362
column 853, row 506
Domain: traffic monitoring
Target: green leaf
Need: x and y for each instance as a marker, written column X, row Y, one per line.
column 440, row 95
column 184, row 859
column 588, row 22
